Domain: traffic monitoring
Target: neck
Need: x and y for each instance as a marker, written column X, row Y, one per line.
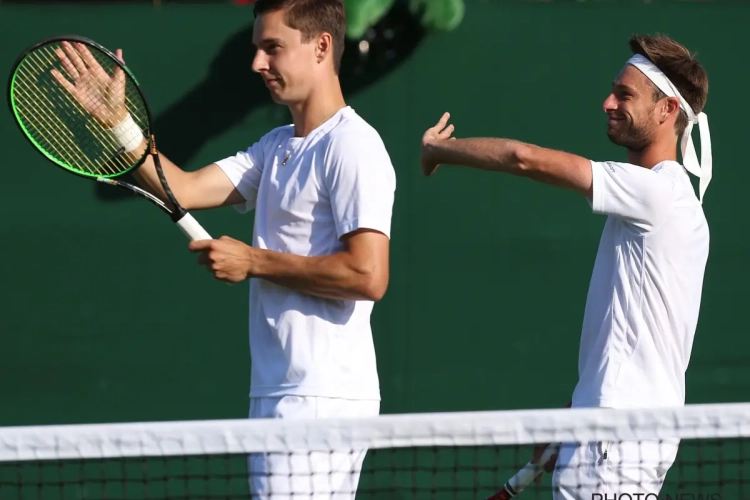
column 655, row 153
column 322, row 103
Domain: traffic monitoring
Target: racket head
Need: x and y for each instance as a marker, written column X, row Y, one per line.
column 61, row 124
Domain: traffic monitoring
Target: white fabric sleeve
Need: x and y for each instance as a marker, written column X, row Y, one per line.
column 361, row 184
column 245, row 170
column 637, row 195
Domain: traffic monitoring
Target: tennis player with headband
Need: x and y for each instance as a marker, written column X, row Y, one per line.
column 645, row 290
column 322, row 191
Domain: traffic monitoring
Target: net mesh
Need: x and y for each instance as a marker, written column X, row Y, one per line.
column 609, row 454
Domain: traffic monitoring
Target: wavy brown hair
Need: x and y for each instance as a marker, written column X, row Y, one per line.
column 677, row 64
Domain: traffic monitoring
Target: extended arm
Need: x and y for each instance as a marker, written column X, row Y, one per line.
column 504, row 155
column 207, row 187
column 640, row 196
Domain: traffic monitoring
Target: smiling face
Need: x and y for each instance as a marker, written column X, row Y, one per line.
column 287, row 65
column 630, row 109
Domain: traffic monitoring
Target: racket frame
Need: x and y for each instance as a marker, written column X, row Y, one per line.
column 108, row 53
column 178, row 214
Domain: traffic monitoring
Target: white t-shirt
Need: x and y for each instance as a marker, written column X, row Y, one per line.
column 337, row 179
column 645, row 291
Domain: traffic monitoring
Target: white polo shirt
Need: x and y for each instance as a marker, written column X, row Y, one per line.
column 645, row 291
column 337, row 179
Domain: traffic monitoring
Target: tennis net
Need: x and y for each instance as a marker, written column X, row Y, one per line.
column 410, row 456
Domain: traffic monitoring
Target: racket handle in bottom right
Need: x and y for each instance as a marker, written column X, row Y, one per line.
column 192, row 228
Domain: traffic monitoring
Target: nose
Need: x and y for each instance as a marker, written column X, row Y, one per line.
column 610, row 103
column 260, row 62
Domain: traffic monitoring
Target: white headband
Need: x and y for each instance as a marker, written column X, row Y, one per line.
column 689, row 157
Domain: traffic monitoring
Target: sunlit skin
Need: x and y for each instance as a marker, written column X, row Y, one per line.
column 300, row 75
column 634, row 121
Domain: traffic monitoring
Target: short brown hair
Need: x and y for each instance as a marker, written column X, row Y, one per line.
column 680, row 66
column 311, row 17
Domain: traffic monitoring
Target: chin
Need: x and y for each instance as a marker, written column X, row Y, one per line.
column 278, row 99
column 613, row 137
column 616, row 136
column 279, row 96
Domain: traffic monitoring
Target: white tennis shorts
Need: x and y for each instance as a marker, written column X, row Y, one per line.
column 613, row 470
column 310, row 475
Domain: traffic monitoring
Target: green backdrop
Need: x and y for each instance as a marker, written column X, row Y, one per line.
column 106, row 316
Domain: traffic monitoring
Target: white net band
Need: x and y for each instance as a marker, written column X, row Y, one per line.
column 516, row 427
column 694, row 452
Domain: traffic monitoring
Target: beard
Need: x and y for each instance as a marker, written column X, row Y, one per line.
column 630, row 135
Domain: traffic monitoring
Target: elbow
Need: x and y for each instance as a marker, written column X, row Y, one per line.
column 372, row 284
column 185, row 191
column 376, row 292
column 523, row 157
column 374, row 287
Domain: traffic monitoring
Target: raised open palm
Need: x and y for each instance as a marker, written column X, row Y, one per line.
column 101, row 94
column 441, row 131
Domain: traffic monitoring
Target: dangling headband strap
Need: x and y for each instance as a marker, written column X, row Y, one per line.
column 702, row 170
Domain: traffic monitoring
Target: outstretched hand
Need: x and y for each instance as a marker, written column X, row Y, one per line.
column 102, row 95
column 228, row 259
column 441, row 131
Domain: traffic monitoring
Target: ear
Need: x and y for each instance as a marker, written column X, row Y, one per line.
column 671, row 107
column 323, row 47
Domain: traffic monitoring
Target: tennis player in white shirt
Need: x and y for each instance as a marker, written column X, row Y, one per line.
column 645, row 290
column 322, row 190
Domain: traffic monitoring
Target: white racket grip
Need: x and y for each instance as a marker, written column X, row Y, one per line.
column 192, row 228
column 526, row 476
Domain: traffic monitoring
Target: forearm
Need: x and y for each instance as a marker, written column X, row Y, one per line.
column 556, row 168
column 336, row 276
column 148, row 179
column 180, row 183
column 482, row 153
column 208, row 187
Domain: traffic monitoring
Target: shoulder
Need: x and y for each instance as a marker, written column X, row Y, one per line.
column 663, row 176
column 353, row 136
column 354, row 152
column 670, row 170
column 667, row 170
column 268, row 142
column 634, row 192
column 277, row 135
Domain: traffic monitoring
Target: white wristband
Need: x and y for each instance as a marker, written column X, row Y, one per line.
column 127, row 134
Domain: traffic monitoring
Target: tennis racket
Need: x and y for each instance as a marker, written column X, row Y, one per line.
column 83, row 109
column 526, row 475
